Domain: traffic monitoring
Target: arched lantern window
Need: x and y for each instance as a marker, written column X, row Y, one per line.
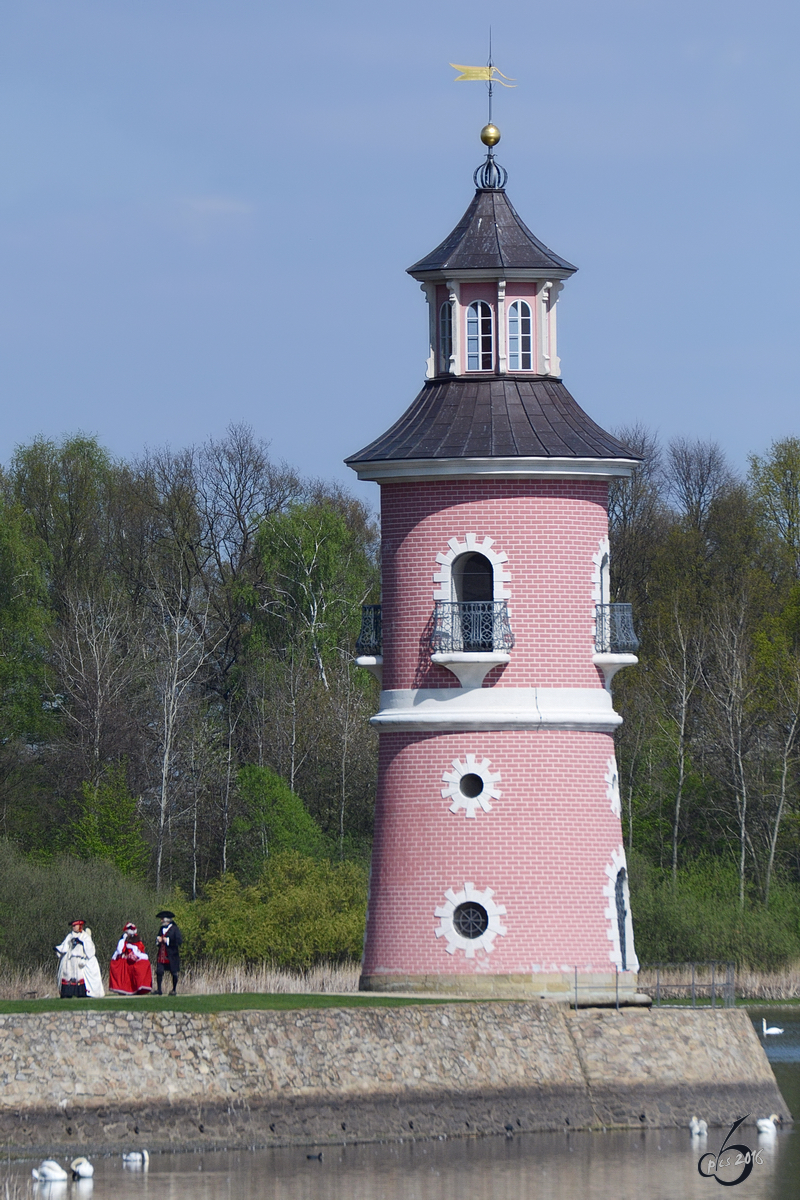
column 520, row 337
column 473, row 587
column 480, row 337
column 473, row 578
column 445, row 336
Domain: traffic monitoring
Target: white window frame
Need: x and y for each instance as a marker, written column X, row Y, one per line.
column 446, row 337
column 518, row 312
column 477, row 313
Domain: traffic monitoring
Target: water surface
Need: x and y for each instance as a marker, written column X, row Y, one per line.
column 635, row 1165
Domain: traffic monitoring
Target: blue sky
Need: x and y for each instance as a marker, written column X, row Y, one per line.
column 207, row 208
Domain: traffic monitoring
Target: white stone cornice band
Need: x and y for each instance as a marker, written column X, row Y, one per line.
column 510, row 468
column 587, row 709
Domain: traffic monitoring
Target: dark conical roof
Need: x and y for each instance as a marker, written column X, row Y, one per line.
column 491, row 236
column 512, row 416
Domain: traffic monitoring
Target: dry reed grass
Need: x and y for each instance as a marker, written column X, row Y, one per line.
column 15, row 1187
column 749, row 985
column 204, row 979
column 201, row 979
column 214, row 979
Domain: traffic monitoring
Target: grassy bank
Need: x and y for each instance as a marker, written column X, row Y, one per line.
column 230, row 1002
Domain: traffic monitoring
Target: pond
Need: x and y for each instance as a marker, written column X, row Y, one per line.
column 656, row 1164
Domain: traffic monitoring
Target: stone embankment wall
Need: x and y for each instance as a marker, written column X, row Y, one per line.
column 102, row 1080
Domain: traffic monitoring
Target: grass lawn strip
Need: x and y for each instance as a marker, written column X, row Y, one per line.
column 226, row 1002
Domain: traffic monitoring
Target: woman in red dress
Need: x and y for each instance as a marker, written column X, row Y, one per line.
column 130, row 973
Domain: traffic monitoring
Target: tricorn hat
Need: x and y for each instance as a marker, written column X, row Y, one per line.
column 77, row 921
column 166, row 913
column 129, row 928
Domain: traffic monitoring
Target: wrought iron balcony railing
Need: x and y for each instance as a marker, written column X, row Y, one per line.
column 614, row 631
column 471, row 625
column 370, row 638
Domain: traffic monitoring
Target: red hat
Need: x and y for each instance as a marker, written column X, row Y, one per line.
column 129, row 928
column 78, row 921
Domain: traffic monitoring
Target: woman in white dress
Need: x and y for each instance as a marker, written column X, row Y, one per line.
column 78, row 968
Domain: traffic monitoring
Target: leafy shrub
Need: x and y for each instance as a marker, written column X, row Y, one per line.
column 274, row 820
column 699, row 918
column 37, row 900
column 300, row 912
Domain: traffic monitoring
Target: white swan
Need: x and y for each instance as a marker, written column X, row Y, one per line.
column 698, row 1128
column 49, row 1171
column 81, row 1168
column 769, row 1029
column 767, row 1124
column 137, row 1158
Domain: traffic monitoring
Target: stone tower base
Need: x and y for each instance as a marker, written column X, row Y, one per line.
column 592, row 989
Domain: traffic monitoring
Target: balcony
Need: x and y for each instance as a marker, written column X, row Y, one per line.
column 614, row 630
column 369, row 643
column 470, row 637
column 370, row 639
column 471, row 626
column 615, row 641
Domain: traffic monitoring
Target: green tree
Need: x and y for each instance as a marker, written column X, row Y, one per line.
column 273, row 819
column 64, row 487
column 25, row 620
column 775, row 482
column 318, row 573
column 108, row 825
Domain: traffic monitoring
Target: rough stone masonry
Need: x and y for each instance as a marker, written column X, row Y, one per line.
column 123, row 1080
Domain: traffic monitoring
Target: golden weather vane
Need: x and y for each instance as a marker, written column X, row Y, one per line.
column 487, row 74
column 490, row 74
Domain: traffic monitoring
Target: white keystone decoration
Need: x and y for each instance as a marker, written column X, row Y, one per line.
column 612, row 870
column 455, row 940
column 602, row 555
column 470, row 545
column 452, row 789
column 612, row 787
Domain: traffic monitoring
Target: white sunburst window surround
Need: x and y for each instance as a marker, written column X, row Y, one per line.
column 445, row 336
column 471, row 785
column 469, row 920
column 520, row 337
column 618, row 913
column 450, row 576
column 480, row 337
column 612, row 787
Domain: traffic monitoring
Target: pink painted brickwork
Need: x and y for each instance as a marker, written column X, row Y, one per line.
column 543, row 849
column 550, row 529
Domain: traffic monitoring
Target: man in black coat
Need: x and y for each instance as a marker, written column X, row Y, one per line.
column 168, row 957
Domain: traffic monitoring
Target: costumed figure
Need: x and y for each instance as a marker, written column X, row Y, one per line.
column 78, row 968
column 169, row 942
column 129, row 972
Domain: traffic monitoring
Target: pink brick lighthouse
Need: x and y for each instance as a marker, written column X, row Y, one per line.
column 498, row 864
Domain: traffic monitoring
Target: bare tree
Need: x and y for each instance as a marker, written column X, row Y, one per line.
column 636, row 514
column 678, row 674
column 179, row 650
column 730, row 682
column 97, row 657
column 696, row 475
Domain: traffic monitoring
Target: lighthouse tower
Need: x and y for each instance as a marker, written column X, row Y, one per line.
column 498, row 864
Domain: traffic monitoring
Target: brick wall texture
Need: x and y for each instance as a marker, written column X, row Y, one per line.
column 550, row 529
column 545, row 846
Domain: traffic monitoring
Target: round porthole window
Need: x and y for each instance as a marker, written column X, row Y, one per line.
column 470, row 785
column 471, row 920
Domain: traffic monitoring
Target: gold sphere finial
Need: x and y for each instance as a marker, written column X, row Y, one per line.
column 490, row 135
